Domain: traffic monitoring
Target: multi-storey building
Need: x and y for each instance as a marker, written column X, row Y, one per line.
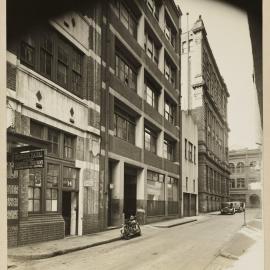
column 140, row 122
column 93, row 120
column 245, row 185
column 53, row 129
column 208, row 101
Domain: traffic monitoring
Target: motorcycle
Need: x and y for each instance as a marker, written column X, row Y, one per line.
column 130, row 228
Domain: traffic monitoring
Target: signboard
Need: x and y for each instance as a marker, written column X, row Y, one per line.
column 29, row 160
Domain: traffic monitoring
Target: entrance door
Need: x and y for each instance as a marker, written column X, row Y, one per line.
column 130, row 194
column 193, row 205
column 186, row 205
column 66, row 210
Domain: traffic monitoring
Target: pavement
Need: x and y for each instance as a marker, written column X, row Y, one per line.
column 74, row 243
column 243, row 251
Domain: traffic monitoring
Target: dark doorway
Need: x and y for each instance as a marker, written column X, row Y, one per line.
column 130, row 191
column 66, row 210
column 186, row 205
column 193, row 205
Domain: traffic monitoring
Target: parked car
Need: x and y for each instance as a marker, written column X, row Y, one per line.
column 239, row 206
column 227, row 208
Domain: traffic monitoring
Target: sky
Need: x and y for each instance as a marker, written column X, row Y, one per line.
column 228, row 35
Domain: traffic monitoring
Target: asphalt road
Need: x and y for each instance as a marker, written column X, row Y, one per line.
column 191, row 246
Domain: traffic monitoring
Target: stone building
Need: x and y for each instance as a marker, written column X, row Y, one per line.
column 140, row 123
column 93, row 120
column 208, row 101
column 53, row 129
column 245, row 179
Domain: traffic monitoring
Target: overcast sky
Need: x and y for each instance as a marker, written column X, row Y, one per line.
column 228, row 35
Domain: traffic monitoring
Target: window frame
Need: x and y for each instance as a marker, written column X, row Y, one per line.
column 153, row 140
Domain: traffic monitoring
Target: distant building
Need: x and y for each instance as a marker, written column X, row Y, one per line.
column 208, row 100
column 245, row 179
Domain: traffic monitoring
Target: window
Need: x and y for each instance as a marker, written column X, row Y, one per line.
column 240, row 183
column 172, row 190
column 170, row 34
column 150, row 140
column 34, row 190
column 124, row 127
column 53, row 175
column 36, row 130
column 68, row 146
column 169, row 112
column 153, row 7
column 169, row 73
column 27, row 54
column 190, row 150
column 232, row 182
column 186, row 183
column 194, row 188
column 125, row 73
column 151, row 96
column 151, row 48
column 253, row 164
column 46, row 55
column 240, row 167
column 185, row 148
column 155, row 194
column 126, row 16
column 62, row 66
column 168, row 150
column 55, row 58
column 70, row 176
column 53, row 138
column 76, row 73
column 194, row 154
column 231, row 166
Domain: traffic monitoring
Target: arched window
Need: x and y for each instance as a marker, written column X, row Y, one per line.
column 240, row 167
column 232, row 168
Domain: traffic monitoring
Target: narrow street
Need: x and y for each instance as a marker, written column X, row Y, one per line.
column 191, row 246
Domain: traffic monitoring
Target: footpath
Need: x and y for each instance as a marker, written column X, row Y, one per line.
column 243, row 251
column 74, row 243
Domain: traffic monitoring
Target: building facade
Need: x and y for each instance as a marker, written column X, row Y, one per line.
column 53, row 130
column 208, row 101
column 245, row 179
column 93, row 121
column 140, row 123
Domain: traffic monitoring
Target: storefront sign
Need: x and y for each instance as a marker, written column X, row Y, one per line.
column 29, row 160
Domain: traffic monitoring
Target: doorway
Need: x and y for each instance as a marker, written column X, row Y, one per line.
column 130, row 191
column 66, row 210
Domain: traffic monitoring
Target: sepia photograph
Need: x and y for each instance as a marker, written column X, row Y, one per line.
column 132, row 135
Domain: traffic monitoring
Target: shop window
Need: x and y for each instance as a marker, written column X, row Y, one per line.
column 70, row 176
column 124, row 127
column 125, row 73
column 34, row 190
column 155, row 194
column 68, row 146
column 53, row 138
column 150, row 140
column 172, row 190
column 53, row 176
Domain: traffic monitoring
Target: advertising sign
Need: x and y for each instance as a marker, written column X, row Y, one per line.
column 29, row 160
